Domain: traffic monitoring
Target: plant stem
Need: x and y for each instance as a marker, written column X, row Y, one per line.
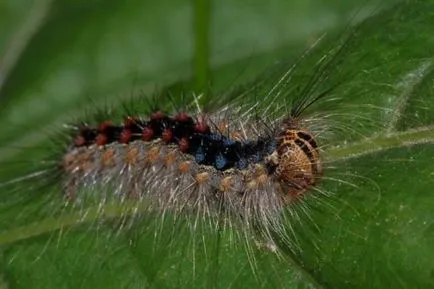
column 201, row 53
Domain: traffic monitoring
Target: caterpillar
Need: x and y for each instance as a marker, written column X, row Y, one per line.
column 251, row 164
column 188, row 150
column 362, row 227
column 235, row 163
column 243, row 162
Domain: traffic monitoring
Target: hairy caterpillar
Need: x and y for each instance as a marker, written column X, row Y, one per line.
column 243, row 163
column 183, row 147
column 234, row 169
column 357, row 234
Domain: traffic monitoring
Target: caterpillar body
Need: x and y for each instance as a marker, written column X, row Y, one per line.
column 184, row 156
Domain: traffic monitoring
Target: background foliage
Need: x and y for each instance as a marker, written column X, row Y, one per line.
column 57, row 56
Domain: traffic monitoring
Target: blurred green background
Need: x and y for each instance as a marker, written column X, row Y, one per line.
column 59, row 59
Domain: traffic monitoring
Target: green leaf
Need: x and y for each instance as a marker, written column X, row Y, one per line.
column 373, row 231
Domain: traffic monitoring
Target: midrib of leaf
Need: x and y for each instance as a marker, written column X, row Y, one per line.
column 106, row 212
column 381, row 142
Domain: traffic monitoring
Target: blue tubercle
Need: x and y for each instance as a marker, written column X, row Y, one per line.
column 215, row 136
column 227, row 142
column 200, row 156
column 220, row 162
column 271, row 147
column 242, row 163
column 256, row 158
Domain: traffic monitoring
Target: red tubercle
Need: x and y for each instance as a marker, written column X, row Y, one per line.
column 79, row 141
column 101, row 139
column 183, row 144
column 147, row 134
column 167, row 135
column 157, row 115
column 125, row 136
column 182, row 117
column 102, row 127
column 201, row 127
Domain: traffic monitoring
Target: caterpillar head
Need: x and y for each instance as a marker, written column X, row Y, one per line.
column 299, row 165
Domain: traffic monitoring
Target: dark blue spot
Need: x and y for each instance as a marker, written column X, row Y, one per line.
column 215, row 136
column 256, row 157
column 220, row 162
column 242, row 163
column 199, row 156
column 228, row 142
column 271, row 147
